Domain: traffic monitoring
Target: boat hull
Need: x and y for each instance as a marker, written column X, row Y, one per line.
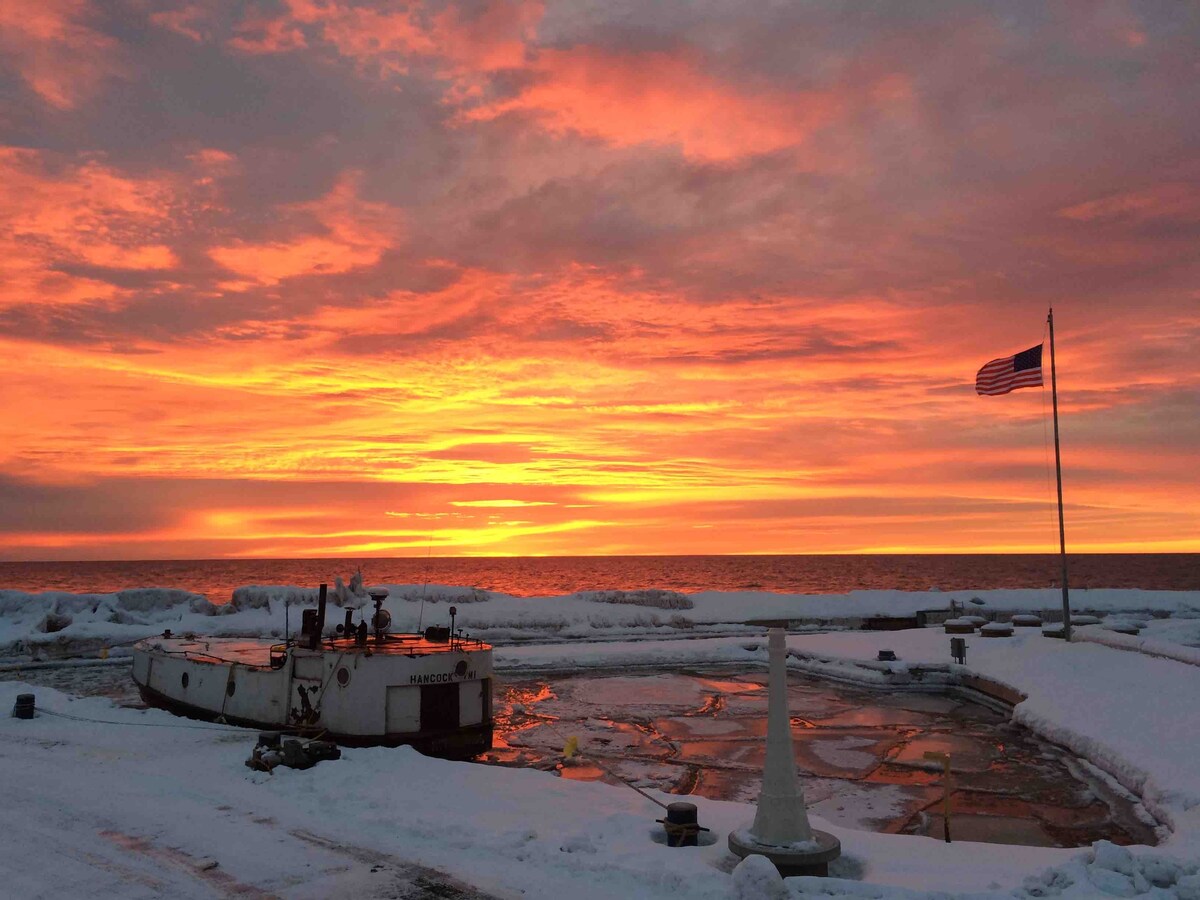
column 462, row 742
column 433, row 696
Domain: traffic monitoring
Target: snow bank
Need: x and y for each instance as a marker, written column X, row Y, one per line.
column 1170, row 639
column 657, row 598
column 390, row 822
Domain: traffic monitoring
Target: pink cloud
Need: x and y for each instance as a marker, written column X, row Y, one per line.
column 51, row 46
column 337, row 233
column 191, row 21
column 384, row 38
column 263, row 35
column 1169, row 202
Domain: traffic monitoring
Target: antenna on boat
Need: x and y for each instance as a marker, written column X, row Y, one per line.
column 421, row 613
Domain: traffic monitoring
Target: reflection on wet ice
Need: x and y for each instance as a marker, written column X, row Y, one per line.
column 967, row 754
column 862, row 753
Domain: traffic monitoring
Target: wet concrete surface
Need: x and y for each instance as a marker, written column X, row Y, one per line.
column 861, row 754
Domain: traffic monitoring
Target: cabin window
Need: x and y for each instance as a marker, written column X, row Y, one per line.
column 343, row 676
column 184, row 680
column 230, row 688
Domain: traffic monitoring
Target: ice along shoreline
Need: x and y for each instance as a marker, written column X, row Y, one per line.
column 59, row 624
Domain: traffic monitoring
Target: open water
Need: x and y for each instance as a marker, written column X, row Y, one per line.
column 544, row 576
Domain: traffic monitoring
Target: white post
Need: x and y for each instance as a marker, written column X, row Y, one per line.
column 781, row 818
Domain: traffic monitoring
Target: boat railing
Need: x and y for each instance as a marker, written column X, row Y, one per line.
column 450, row 642
column 277, row 654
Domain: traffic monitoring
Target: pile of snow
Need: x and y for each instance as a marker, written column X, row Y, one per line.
column 1161, row 644
column 61, row 623
column 659, row 599
column 433, row 593
column 266, row 596
column 1114, row 871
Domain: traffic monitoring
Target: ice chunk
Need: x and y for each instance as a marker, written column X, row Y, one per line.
column 650, row 597
column 52, row 622
column 1107, row 855
column 153, row 599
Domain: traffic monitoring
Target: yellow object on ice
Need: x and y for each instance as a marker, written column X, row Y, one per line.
column 571, row 747
column 104, row 653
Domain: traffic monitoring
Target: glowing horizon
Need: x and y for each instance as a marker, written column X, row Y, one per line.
column 305, row 278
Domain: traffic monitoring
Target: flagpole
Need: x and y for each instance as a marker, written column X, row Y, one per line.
column 1062, row 535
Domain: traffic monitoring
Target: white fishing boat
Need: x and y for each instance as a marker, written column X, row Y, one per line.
column 359, row 686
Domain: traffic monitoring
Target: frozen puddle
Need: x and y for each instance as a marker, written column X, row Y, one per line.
column 862, row 752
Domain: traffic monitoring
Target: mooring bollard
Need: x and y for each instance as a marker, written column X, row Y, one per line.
column 682, row 825
column 24, row 707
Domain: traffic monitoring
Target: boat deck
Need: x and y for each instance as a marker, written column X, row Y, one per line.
column 257, row 651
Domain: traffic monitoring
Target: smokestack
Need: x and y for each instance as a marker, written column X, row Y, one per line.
column 315, row 640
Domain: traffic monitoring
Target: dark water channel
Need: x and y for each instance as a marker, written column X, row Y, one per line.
column 861, row 753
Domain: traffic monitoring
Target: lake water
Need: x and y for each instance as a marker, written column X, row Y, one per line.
column 542, row 576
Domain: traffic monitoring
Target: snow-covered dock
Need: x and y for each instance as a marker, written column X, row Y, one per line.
column 139, row 804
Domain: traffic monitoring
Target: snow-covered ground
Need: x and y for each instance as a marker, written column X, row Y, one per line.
column 132, row 803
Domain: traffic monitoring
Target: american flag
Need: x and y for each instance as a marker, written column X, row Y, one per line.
column 1021, row 370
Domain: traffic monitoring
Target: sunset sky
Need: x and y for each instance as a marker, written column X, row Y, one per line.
column 320, row 278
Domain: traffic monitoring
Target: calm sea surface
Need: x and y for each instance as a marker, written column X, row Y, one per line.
column 538, row 576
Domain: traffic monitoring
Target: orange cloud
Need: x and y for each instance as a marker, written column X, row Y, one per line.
column 661, row 98
column 354, row 233
column 54, row 211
